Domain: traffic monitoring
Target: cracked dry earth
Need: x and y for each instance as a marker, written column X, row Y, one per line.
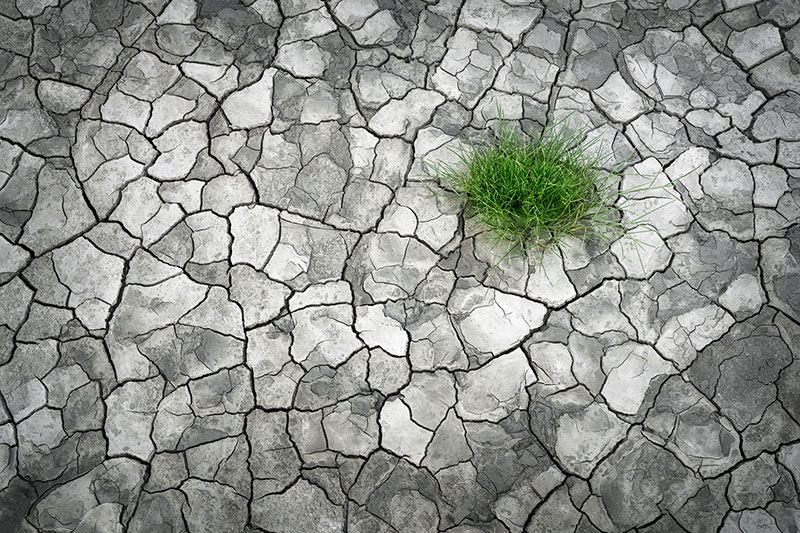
column 230, row 304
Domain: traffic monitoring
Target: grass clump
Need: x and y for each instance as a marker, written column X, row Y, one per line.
column 538, row 190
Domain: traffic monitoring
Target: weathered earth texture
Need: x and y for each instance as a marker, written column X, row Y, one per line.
column 230, row 302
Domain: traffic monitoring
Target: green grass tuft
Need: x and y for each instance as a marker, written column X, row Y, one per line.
column 538, row 190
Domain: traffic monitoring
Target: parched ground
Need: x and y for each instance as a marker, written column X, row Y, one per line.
column 229, row 303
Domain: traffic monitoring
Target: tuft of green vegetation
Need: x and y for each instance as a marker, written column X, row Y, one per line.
column 538, row 190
